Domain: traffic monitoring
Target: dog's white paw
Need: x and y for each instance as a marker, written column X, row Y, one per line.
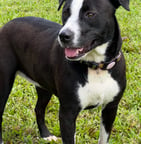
column 51, row 138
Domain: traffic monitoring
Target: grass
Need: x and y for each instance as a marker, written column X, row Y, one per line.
column 19, row 124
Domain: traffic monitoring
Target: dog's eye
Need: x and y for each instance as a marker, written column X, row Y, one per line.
column 90, row 14
column 66, row 12
column 65, row 15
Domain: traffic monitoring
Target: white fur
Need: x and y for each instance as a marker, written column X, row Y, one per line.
column 27, row 78
column 51, row 138
column 73, row 21
column 97, row 54
column 100, row 89
column 103, row 135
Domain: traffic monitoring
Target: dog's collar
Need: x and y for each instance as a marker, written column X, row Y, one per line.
column 102, row 65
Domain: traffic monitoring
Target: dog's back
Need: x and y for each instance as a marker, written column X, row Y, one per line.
column 27, row 38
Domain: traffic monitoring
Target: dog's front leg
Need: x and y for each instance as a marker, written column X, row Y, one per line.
column 107, row 119
column 67, row 117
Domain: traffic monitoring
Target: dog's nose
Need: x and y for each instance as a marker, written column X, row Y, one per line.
column 66, row 36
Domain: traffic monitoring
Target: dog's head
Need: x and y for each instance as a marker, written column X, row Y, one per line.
column 87, row 24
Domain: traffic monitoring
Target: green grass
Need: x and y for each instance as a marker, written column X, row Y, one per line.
column 19, row 124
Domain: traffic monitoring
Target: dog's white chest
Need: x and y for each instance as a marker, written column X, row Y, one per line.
column 101, row 88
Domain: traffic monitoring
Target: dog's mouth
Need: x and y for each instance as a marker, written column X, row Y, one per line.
column 75, row 53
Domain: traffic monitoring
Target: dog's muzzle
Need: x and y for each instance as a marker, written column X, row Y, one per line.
column 71, row 50
column 65, row 39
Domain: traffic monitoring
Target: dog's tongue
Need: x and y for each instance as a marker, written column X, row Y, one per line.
column 72, row 52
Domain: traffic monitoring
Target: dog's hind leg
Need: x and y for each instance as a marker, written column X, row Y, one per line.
column 6, row 83
column 7, row 75
column 43, row 99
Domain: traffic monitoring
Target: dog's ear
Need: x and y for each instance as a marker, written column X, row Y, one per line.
column 123, row 3
column 60, row 4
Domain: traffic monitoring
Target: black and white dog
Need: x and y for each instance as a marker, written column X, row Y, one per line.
column 80, row 62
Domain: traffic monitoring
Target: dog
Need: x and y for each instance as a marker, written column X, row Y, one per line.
column 81, row 62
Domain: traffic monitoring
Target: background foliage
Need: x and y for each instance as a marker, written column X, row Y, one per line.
column 19, row 125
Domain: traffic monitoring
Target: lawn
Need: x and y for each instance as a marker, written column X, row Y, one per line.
column 19, row 124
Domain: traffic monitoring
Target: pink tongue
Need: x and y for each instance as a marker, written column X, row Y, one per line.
column 72, row 52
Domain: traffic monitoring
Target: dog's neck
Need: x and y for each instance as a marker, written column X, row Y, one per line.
column 115, row 44
column 102, row 65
